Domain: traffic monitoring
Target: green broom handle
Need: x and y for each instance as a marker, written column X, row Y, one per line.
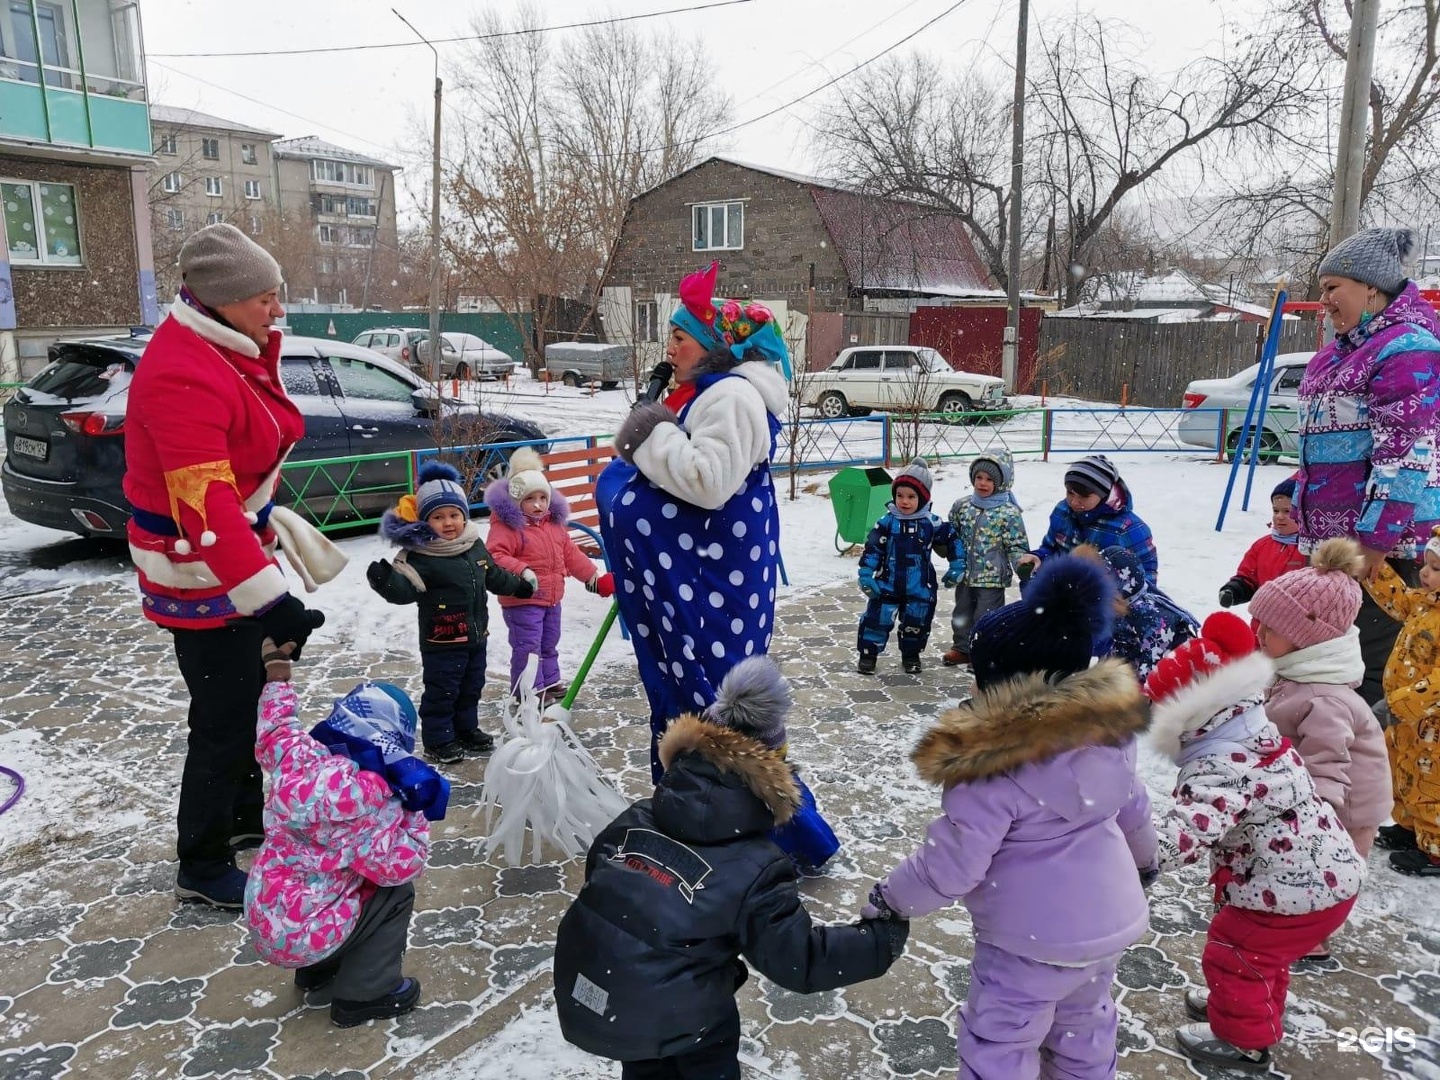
column 580, row 675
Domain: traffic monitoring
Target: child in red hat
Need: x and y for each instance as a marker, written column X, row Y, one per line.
column 1284, row 869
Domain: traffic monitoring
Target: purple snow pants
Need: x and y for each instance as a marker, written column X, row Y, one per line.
column 1021, row 1011
column 534, row 629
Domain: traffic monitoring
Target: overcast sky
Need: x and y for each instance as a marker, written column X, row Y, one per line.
column 766, row 53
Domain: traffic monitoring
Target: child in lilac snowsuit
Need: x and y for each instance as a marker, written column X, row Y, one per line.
column 1044, row 834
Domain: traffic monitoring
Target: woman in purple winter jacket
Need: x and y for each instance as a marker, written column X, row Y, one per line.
column 1369, row 408
column 1044, row 833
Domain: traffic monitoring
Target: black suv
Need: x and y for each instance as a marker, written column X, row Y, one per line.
column 65, row 433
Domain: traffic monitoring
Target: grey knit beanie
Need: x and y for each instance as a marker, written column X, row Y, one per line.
column 916, row 476
column 1372, row 256
column 221, row 265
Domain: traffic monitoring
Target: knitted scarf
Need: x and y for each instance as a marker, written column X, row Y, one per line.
column 1280, row 538
column 990, row 502
column 1337, row 662
column 441, row 549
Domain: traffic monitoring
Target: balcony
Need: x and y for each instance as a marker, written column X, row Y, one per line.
column 70, row 75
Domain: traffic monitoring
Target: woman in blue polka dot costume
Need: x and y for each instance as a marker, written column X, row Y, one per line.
column 688, row 510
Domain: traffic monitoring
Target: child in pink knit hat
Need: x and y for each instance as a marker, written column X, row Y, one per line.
column 1306, row 625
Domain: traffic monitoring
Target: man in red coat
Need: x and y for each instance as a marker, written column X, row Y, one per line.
column 207, row 426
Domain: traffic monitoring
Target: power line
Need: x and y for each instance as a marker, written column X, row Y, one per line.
column 817, row 62
column 779, row 108
column 843, row 75
column 276, row 108
column 453, row 40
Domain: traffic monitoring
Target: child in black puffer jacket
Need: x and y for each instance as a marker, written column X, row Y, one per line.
column 681, row 885
column 446, row 571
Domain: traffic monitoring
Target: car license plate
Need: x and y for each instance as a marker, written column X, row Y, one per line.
column 35, row 448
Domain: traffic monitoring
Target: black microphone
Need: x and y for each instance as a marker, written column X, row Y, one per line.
column 659, row 380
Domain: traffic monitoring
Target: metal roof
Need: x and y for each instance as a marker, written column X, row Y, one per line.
column 176, row 117
column 310, row 147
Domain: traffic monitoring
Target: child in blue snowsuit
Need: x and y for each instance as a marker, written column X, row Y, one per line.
column 1097, row 510
column 1149, row 624
column 896, row 573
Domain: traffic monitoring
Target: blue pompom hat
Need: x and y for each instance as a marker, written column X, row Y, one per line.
column 439, row 486
column 1067, row 609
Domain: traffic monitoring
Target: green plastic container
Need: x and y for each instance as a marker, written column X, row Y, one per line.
column 859, row 497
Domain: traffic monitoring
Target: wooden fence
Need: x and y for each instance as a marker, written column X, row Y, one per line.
column 1150, row 363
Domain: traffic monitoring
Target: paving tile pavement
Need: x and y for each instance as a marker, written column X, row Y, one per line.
column 102, row 973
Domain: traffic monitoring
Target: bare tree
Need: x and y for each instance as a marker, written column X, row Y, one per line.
column 1099, row 127
column 552, row 143
column 1282, row 210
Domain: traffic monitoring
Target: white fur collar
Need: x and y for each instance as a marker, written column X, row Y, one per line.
column 774, row 391
column 1335, row 661
column 1188, row 710
column 212, row 331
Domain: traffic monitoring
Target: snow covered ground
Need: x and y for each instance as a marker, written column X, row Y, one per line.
column 1178, row 495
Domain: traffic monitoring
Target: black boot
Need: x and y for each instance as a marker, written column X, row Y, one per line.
column 866, row 666
column 396, row 1003
column 1395, row 838
column 912, row 663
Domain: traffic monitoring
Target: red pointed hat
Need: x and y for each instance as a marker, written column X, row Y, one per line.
column 696, row 314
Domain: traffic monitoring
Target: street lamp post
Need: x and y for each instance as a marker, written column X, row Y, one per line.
column 434, row 338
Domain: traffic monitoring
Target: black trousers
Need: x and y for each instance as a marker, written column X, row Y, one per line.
column 716, row 1060
column 1378, row 632
column 221, row 793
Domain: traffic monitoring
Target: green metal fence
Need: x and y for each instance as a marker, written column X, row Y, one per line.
column 333, row 494
column 500, row 330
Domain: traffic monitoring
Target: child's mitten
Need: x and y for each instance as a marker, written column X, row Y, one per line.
column 603, row 584
column 277, row 661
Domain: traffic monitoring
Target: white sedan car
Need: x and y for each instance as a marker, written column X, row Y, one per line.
column 468, row 356
column 899, row 378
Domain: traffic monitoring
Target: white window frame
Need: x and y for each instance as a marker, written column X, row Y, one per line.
column 729, row 243
column 169, row 144
column 214, row 217
column 215, row 187
column 205, row 143
column 172, row 182
column 247, row 153
column 646, row 319
column 42, row 246
column 175, row 219
column 252, row 189
column 257, row 225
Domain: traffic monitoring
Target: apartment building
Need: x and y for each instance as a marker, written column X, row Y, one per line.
column 206, row 169
column 346, row 202
column 74, row 143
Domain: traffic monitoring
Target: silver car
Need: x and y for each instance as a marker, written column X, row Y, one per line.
column 1280, row 434
column 466, row 356
column 397, row 342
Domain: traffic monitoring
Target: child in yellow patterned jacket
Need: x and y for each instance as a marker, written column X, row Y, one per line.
column 1412, row 693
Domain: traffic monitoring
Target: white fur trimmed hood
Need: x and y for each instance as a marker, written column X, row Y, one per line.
column 1187, row 713
column 214, row 332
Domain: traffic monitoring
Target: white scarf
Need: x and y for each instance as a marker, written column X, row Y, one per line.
column 306, row 548
column 1337, row 661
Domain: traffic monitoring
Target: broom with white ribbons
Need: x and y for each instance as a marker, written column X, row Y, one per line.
column 540, row 777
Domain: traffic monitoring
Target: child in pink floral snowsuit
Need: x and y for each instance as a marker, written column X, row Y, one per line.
column 331, row 891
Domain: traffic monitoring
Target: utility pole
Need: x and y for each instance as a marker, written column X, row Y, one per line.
column 1010, row 355
column 433, row 343
column 1354, row 114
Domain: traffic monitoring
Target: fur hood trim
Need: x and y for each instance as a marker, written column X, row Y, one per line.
column 406, row 534
column 1029, row 719
column 764, row 771
column 758, row 373
column 1188, row 711
column 214, row 332
column 505, row 509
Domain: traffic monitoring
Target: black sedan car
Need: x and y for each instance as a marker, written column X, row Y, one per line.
column 65, row 444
